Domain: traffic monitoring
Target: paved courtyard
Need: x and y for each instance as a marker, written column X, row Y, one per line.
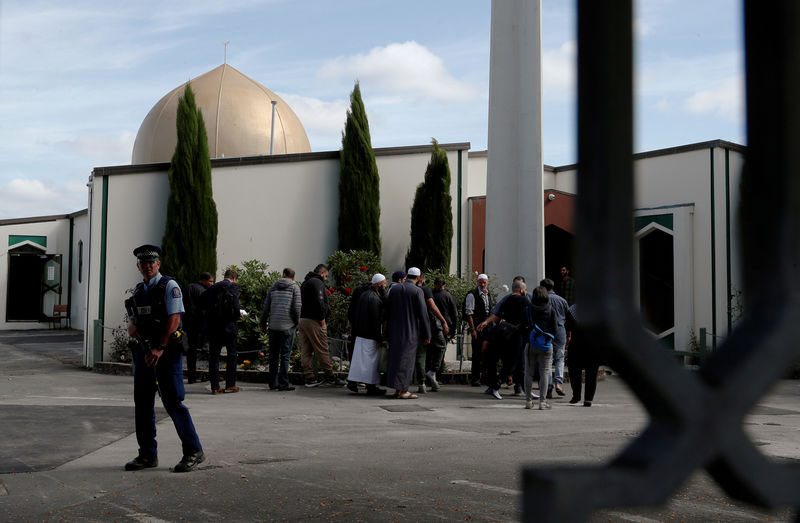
column 318, row 454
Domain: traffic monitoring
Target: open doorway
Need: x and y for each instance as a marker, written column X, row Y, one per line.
column 34, row 283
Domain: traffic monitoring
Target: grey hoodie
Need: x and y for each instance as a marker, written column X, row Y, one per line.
column 281, row 306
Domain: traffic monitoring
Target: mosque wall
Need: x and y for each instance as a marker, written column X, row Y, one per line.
column 281, row 211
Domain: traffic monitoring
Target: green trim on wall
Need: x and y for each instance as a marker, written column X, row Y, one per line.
column 101, row 307
column 664, row 220
column 713, row 257
column 458, row 218
column 14, row 239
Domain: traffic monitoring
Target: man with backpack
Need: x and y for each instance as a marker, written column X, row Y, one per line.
column 222, row 300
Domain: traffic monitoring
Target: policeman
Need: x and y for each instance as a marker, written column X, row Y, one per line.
column 154, row 320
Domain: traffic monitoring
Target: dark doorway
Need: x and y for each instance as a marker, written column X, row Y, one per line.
column 657, row 281
column 558, row 248
column 24, row 300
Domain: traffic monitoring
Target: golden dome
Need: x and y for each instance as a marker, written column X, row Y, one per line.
column 238, row 115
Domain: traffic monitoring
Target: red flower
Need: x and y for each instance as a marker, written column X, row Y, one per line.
column 363, row 268
column 328, row 292
column 347, row 290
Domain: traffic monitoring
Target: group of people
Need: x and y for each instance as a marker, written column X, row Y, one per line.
column 414, row 319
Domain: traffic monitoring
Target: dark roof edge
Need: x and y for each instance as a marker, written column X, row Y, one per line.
column 277, row 158
column 724, row 144
column 42, row 219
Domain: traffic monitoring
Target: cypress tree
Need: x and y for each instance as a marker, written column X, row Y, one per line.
column 432, row 217
column 190, row 236
column 359, row 183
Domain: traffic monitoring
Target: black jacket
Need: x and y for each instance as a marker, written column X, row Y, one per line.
column 314, row 298
column 214, row 324
column 447, row 306
column 369, row 315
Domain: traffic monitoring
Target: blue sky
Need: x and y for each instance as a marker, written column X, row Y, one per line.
column 77, row 78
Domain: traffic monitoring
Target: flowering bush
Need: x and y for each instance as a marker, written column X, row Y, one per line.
column 349, row 270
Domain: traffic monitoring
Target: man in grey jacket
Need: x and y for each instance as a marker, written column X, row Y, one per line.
column 281, row 312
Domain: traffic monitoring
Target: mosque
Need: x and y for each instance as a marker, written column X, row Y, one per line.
column 281, row 208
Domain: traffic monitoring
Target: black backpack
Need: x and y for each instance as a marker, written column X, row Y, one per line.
column 223, row 307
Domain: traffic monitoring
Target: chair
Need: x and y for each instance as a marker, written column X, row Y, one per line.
column 60, row 312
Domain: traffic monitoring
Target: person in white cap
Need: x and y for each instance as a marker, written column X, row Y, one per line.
column 407, row 323
column 368, row 323
column 477, row 308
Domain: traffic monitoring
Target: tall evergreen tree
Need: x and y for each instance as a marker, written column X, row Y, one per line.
column 359, row 183
column 190, row 236
column 432, row 217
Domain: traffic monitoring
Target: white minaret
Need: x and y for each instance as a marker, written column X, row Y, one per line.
column 514, row 192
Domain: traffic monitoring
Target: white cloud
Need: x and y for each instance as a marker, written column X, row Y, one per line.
column 405, row 68
column 102, row 149
column 25, row 198
column 725, row 100
column 323, row 121
column 559, row 69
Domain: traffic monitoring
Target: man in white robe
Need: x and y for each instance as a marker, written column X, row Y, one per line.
column 368, row 322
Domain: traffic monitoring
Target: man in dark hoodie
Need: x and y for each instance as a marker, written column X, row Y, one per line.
column 313, row 329
column 282, row 312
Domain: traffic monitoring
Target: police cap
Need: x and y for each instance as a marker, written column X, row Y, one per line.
column 147, row 252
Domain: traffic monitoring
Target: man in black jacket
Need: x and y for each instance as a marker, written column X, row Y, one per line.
column 368, row 323
column 313, row 330
column 222, row 302
column 194, row 321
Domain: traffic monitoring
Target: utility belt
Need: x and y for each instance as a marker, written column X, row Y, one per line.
column 176, row 342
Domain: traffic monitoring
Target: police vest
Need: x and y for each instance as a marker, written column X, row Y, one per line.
column 151, row 310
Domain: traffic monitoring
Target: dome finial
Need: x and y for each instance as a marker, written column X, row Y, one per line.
column 225, row 43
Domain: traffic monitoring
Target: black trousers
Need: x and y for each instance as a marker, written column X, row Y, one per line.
column 195, row 340
column 575, row 364
column 215, row 343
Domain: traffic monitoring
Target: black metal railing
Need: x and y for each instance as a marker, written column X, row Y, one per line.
column 695, row 417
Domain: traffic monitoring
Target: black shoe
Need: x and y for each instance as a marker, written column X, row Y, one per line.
column 285, row 389
column 376, row 391
column 139, row 463
column 476, row 383
column 190, row 462
column 574, row 400
column 559, row 391
column 312, row 382
column 352, row 386
column 587, row 403
column 333, row 381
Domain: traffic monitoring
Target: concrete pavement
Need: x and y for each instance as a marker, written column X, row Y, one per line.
column 317, row 454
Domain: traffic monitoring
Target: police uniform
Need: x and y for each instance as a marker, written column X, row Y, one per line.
column 154, row 301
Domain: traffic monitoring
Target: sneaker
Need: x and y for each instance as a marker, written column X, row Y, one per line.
column 434, row 384
column 489, row 390
column 232, row 389
column 559, row 390
column 529, row 404
column 190, row 462
column 534, row 396
column 217, row 391
column 333, row 381
column 312, row 382
column 587, row 403
column 496, row 394
column 421, row 389
column 352, row 386
column 574, row 400
column 544, row 405
column 139, row 463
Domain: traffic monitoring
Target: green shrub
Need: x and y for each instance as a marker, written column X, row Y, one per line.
column 254, row 282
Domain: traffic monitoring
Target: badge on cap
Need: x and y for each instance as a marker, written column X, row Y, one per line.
column 147, row 252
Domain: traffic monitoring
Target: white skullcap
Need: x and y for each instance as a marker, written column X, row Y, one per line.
column 378, row 278
column 483, row 277
column 414, row 271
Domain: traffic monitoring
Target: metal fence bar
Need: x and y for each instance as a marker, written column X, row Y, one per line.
column 696, row 418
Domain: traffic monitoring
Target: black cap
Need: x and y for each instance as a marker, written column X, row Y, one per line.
column 147, row 252
column 398, row 275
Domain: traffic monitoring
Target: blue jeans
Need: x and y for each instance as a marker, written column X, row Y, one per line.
column 169, row 373
column 558, row 363
column 280, row 351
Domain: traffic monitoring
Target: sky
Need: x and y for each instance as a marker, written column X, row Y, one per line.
column 78, row 78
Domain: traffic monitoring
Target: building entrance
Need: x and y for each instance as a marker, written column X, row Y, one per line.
column 34, row 284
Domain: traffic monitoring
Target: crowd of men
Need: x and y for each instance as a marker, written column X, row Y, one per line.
column 414, row 321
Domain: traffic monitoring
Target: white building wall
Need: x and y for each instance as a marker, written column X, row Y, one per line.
column 80, row 275
column 282, row 213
